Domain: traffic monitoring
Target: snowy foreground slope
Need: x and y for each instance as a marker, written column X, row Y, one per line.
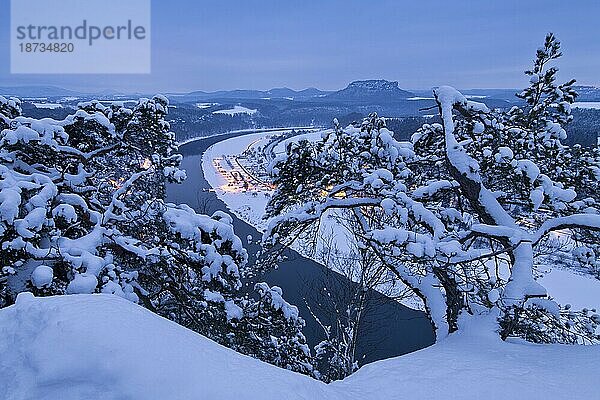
column 104, row 347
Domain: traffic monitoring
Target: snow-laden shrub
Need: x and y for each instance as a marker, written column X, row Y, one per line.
column 271, row 329
column 539, row 322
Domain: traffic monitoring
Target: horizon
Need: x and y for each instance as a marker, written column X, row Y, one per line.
column 108, row 89
column 243, row 46
column 101, row 90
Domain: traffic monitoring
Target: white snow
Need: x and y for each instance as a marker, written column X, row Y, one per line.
column 233, row 311
column 469, row 366
column 83, row 283
column 66, row 211
column 566, row 287
column 587, row 104
column 236, row 110
column 49, row 106
column 310, row 136
column 206, row 105
column 104, row 347
column 276, row 299
column 246, row 206
column 42, row 276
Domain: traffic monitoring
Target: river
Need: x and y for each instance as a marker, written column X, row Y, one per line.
column 389, row 329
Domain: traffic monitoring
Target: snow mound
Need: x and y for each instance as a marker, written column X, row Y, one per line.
column 473, row 366
column 104, row 347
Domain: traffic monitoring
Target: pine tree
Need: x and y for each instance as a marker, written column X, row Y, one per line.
column 83, row 210
column 465, row 199
column 271, row 330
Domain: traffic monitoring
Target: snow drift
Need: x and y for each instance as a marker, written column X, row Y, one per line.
column 104, row 347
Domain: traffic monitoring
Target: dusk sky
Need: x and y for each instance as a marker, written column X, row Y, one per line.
column 212, row 45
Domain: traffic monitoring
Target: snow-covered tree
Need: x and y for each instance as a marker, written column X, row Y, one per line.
column 66, row 203
column 271, row 330
column 458, row 213
column 83, row 210
column 9, row 108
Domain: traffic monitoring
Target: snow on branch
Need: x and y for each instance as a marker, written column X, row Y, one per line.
column 583, row 221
